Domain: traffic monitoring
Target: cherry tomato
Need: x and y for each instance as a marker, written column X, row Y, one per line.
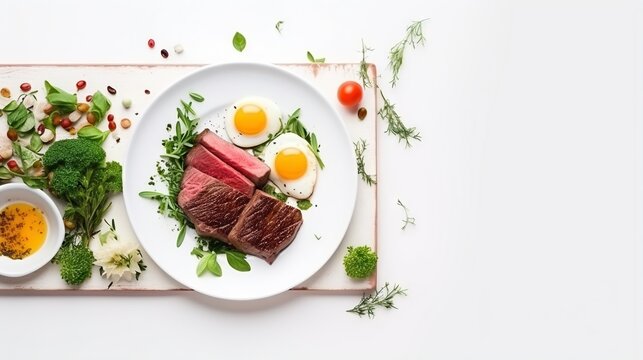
column 349, row 93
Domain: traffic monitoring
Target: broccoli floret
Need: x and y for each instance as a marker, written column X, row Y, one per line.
column 75, row 263
column 110, row 176
column 360, row 262
column 69, row 160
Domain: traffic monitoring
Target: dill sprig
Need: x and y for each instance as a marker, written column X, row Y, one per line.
column 408, row 220
column 360, row 147
column 395, row 125
column 381, row 298
column 413, row 37
column 363, row 67
column 170, row 168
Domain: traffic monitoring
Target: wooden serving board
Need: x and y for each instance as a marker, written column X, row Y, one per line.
column 132, row 81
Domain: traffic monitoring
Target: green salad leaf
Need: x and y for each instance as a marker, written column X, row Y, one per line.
column 60, row 99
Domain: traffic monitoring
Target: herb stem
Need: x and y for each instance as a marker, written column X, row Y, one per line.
column 414, row 36
column 383, row 297
column 360, row 147
column 408, row 219
column 395, row 125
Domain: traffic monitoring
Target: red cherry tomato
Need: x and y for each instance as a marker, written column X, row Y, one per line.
column 349, row 93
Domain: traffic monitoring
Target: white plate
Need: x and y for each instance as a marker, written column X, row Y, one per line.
column 334, row 195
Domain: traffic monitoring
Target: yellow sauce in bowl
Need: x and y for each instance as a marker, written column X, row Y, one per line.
column 23, row 230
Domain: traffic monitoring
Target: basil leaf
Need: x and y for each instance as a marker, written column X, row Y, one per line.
column 203, row 263
column 11, row 106
column 35, row 182
column 49, row 122
column 237, row 260
column 5, row 174
column 28, row 125
column 100, row 106
column 92, row 133
column 181, row 236
column 213, row 265
column 60, row 99
column 26, row 156
column 35, row 143
column 239, row 41
column 304, row 204
column 17, row 116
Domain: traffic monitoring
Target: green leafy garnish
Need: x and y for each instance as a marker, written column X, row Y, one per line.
column 170, row 168
column 279, row 25
column 304, row 204
column 395, row 125
column 100, row 106
column 360, row 261
column 239, row 41
column 92, row 133
column 60, row 99
column 360, row 147
column 407, row 219
column 363, row 67
column 237, row 260
column 414, row 36
column 26, row 156
column 314, row 60
column 197, row 97
column 19, row 117
column 35, row 144
column 271, row 190
column 381, row 298
column 207, row 251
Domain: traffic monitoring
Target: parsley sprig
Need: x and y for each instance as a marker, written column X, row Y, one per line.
column 414, row 36
column 383, row 297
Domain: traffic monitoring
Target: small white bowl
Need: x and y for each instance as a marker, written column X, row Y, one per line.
column 14, row 192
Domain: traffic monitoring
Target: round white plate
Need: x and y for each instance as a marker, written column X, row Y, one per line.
column 334, row 196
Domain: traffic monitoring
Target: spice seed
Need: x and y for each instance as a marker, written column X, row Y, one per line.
column 361, row 113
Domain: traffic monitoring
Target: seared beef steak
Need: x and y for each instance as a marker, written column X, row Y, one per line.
column 200, row 158
column 214, row 207
column 265, row 227
column 248, row 165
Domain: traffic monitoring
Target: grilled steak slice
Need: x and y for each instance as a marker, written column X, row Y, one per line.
column 208, row 163
column 250, row 166
column 265, row 227
column 213, row 208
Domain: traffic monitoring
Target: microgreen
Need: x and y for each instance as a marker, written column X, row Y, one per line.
column 239, row 41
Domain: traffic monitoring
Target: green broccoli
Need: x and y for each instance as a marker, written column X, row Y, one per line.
column 75, row 263
column 68, row 161
column 360, row 262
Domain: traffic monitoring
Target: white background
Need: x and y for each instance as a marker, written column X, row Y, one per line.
column 525, row 187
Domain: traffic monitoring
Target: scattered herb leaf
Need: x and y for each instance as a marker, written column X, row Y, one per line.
column 237, row 260
column 35, row 144
column 314, row 60
column 317, row 237
column 395, row 125
column 271, row 190
column 304, row 204
column 197, row 97
column 60, row 99
column 213, row 265
column 360, row 147
column 383, row 297
column 408, row 220
column 413, row 36
column 100, row 106
column 92, row 133
column 239, row 41
column 279, row 25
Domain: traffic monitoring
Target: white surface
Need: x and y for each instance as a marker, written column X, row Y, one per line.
column 21, row 193
column 335, row 190
column 526, row 186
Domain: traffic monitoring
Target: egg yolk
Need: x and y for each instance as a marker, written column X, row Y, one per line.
column 250, row 119
column 291, row 163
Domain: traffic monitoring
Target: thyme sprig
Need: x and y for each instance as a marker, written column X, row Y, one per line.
column 408, row 219
column 414, row 36
column 360, row 147
column 363, row 67
column 170, row 168
column 395, row 125
column 383, row 297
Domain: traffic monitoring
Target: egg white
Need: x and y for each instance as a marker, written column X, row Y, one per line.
column 273, row 123
column 301, row 188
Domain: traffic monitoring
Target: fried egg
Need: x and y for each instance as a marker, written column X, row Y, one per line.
column 293, row 166
column 252, row 120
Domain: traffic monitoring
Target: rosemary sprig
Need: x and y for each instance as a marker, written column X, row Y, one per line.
column 363, row 67
column 414, row 36
column 381, row 298
column 408, row 220
column 360, row 147
column 395, row 125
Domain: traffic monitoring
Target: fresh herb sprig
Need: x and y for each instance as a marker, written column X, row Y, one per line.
column 208, row 250
column 414, row 36
column 293, row 125
column 395, row 125
column 360, row 147
column 383, row 297
column 407, row 219
column 363, row 67
column 170, row 169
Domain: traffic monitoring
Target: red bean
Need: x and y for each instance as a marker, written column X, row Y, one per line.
column 12, row 164
column 165, row 54
column 25, row 87
column 88, row 98
column 111, row 126
column 65, row 123
column 111, row 90
column 151, row 43
column 81, row 84
column 110, row 117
